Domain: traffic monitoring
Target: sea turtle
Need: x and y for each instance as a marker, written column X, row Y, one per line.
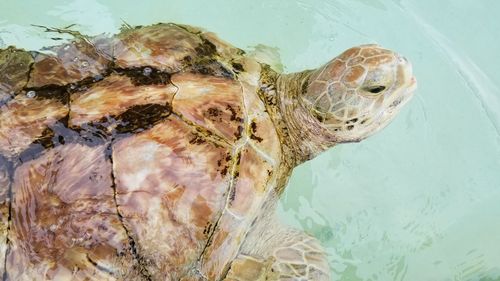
column 160, row 153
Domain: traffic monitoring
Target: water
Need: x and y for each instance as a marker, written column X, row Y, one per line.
column 418, row 201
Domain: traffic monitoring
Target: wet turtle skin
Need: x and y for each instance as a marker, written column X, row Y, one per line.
column 145, row 156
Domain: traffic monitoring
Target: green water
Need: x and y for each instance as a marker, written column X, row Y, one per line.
column 420, row 200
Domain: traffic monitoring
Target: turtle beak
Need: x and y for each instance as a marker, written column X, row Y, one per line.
column 409, row 81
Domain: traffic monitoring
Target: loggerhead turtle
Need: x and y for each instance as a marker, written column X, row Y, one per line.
column 160, row 153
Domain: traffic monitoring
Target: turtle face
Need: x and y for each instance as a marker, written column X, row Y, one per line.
column 359, row 92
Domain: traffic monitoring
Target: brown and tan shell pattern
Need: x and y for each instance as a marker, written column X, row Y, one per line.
column 145, row 156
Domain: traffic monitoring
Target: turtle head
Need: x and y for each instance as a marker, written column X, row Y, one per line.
column 348, row 99
column 359, row 92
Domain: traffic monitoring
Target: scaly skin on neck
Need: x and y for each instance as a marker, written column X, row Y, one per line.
column 300, row 132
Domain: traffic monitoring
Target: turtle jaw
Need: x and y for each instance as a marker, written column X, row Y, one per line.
column 404, row 98
column 401, row 96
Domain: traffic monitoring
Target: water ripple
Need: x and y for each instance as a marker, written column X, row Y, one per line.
column 477, row 81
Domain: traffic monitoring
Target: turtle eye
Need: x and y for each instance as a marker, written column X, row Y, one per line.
column 375, row 89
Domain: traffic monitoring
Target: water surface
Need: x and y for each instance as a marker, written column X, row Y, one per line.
column 418, row 201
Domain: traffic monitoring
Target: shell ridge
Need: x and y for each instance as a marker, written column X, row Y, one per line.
column 209, row 135
column 143, row 270
column 263, row 154
column 213, row 137
column 235, row 155
column 245, row 140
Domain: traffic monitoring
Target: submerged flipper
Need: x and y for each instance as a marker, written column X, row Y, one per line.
column 249, row 268
column 275, row 252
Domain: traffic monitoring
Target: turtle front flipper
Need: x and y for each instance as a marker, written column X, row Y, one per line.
column 249, row 268
column 300, row 257
column 273, row 251
column 282, row 254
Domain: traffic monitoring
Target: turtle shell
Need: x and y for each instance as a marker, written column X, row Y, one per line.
column 145, row 156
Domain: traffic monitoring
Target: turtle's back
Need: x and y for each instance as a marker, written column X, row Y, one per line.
column 122, row 154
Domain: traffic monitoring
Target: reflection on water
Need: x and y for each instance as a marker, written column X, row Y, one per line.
column 419, row 201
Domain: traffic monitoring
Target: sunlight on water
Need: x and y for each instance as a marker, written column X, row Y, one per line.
column 418, row 201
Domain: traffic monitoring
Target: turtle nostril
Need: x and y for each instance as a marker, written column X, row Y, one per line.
column 403, row 60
